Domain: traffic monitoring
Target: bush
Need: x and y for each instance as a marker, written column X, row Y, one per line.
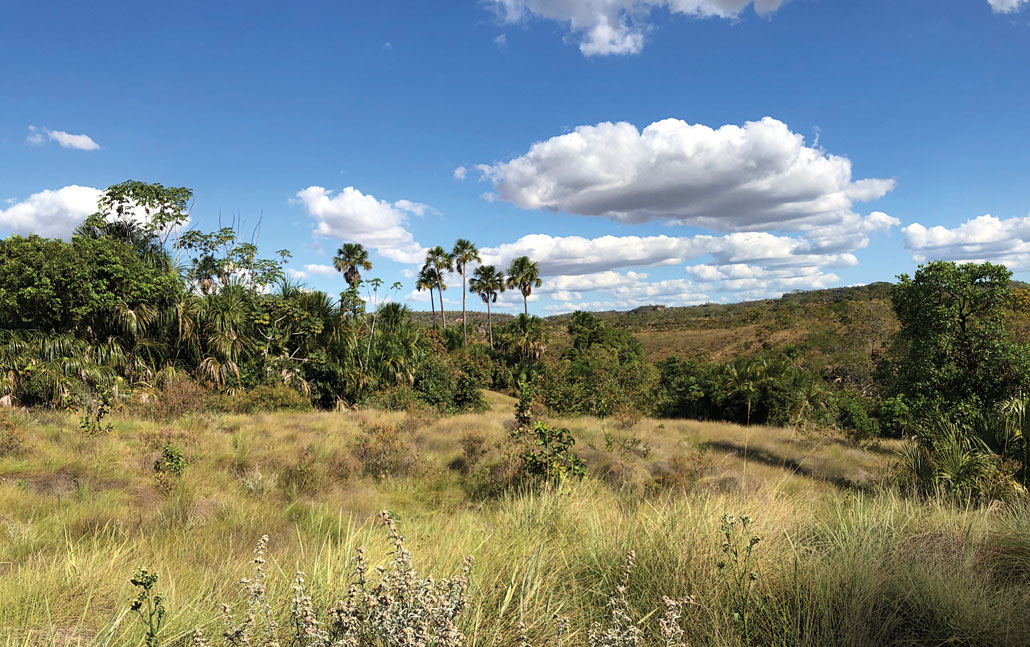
column 11, row 439
column 177, row 397
column 548, row 454
column 172, row 460
column 304, row 477
column 398, row 398
column 434, row 382
column 272, row 397
column 382, row 452
column 854, row 417
column 473, row 448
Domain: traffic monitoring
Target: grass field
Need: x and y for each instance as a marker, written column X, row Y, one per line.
column 842, row 559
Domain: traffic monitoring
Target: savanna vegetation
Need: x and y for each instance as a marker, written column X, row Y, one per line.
column 843, row 467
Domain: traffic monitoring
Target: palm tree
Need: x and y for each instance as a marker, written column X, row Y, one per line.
column 464, row 252
column 349, row 259
column 488, row 283
column 743, row 379
column 426, row 280
column 440, row 260
column 524, row 336
column 524, row 274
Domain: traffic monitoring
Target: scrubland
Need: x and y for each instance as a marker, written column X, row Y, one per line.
column 842, row 558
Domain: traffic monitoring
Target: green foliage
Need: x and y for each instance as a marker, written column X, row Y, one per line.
column 271, row 397
column 92, row 421
column 549, row 454
column 524, row 275
column 172, row 461
column 855, row 415
column 737, row 565
column 149, row 606
column 434, row 382
column 953, row 353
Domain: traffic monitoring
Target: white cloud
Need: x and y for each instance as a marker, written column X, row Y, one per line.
column 1007, row 6
column 760, row 176
column 572, row 255
column 605, row 27
column 39, row 136
column 760, row 280
column 353, row 216
column 297, row 274
column 578, row 255
column 460, row 173
column 56, row 213
column 986, row 238
column 51, row 213
column 320, row 270
column 501, row 41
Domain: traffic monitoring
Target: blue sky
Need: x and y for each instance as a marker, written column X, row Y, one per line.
column 657, row 151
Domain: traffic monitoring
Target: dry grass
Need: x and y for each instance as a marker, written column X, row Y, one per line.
column 78, row 515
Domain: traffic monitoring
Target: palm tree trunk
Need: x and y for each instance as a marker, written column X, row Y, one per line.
column 443, row 316
column 464, row 317
column 432, row 304
column 525, row 304
column 490, row 324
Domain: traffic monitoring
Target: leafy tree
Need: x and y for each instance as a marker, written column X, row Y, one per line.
column 220, row 258
column 464, row 252
column 350, row 259
column 488, row 282
column 953, row 353
column 524, row 274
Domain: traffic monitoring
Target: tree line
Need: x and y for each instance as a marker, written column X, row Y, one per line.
column 130, row 305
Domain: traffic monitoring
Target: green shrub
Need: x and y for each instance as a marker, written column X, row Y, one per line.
column 548, row 454
column 398, row 398
column 272, row 397
column 434, row 382
column 172, row 460
column 854, row 416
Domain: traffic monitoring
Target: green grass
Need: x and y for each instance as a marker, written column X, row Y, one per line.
column 842, row 561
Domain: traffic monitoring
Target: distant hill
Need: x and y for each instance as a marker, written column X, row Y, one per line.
column 838, row 332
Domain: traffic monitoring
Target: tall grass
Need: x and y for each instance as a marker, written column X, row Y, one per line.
column 79, row 515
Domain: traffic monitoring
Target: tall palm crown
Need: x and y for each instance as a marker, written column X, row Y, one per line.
column 426, row 280
column 464, row 252
column 349, row 259
column 438, row 259
column 488, row 283
column 524, row 274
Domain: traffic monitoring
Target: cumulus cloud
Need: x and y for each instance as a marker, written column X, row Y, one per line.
column 55, row 213
column 51, row 213
column 605, row 27
column 573, row 255
column 987, row 238
column 1007, row 6
column 320, row 270
column 763, row 281
column 297, row 274
column 460, row 173
column 353, row 216
column 39, row 136
column 759, row 176
column 579, row 255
